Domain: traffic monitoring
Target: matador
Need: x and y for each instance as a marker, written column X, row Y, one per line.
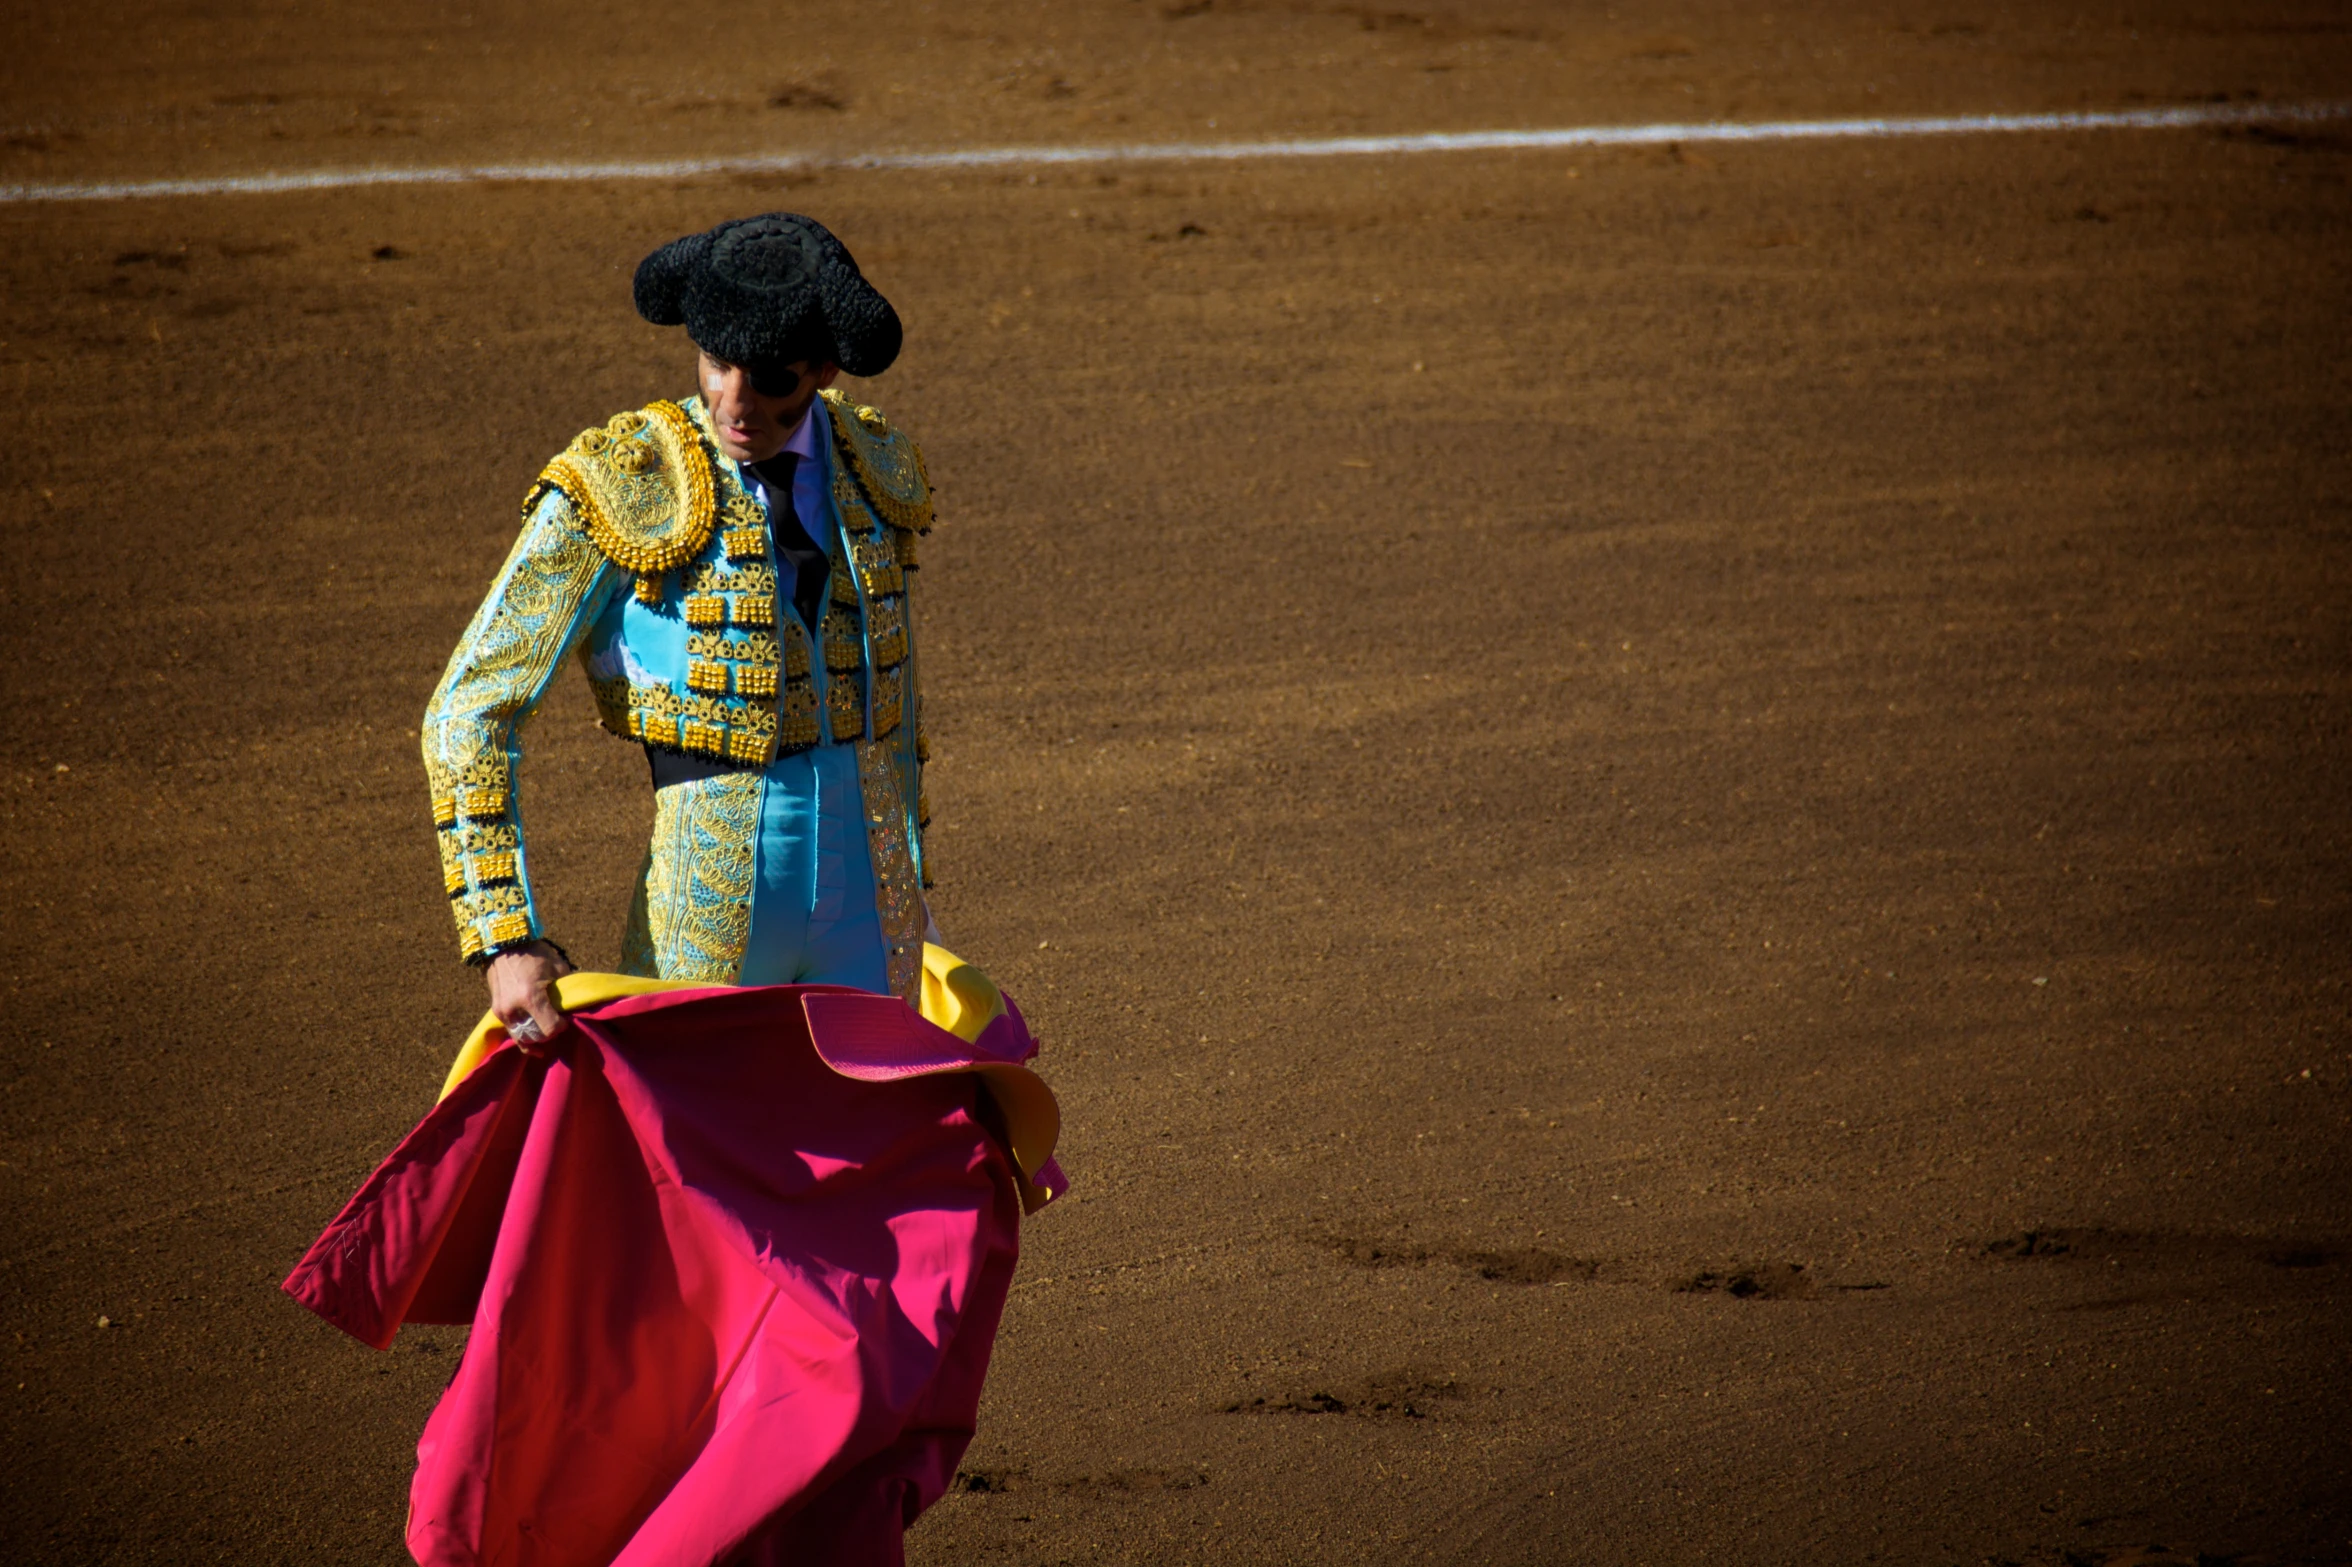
column 735, row 573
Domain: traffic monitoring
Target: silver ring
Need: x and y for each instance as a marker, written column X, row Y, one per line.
column 525, row 1031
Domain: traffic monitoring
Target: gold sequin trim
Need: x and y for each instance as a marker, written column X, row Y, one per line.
column 845, row 706
column 711, row 577
column 482, row 803
column 844, row 648
column 490, row 902
column 747, row 544
column 706, row 675
column 897, row 899
column 642, row 486
column 886, row 623
column 796, row 717
column 886, row 464
column 889, row 700
column 705, row 609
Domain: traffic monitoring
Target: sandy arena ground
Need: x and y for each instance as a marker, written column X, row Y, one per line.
column 1677, row 818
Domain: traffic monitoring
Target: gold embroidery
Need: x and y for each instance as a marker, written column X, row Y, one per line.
column 488, row 902
column 649, row 591
column 744, row 746
column 844, row 648
column 887, row 464
column 897, row 900
column 845, row 707
column 747, row 687
column 697, row 881
column 711, row 577
column 757, row 647
column 889, row 699
column 796, row 717
column 887, row 624
column 482, row 804
column 646, row 500
column 550, row 589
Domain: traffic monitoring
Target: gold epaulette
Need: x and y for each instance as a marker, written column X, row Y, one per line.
column 887, row 463
column 642, row 486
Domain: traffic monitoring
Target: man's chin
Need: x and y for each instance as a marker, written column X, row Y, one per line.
column 742, row 451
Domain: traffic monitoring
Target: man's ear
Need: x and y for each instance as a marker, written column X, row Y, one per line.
column 829, row 374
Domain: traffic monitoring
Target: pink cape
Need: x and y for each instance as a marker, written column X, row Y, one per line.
column 734, row 1260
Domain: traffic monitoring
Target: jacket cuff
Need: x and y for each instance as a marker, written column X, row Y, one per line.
column 482, row 868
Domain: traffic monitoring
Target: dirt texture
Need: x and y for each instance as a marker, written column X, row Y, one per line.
column 1677, row 818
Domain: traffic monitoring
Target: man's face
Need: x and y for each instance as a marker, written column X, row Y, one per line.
column 751, row 425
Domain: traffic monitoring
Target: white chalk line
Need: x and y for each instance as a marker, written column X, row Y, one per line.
column 1893, row 127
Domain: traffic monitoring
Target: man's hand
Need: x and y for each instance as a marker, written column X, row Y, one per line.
column 522, row 985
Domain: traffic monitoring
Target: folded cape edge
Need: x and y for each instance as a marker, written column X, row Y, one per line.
column 957, row 998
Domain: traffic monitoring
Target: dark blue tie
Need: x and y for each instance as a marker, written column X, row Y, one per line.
column 810, row 566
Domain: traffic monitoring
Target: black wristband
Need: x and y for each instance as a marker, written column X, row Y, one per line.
column 489, row 955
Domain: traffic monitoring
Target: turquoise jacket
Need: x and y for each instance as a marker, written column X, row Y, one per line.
column 645, row 552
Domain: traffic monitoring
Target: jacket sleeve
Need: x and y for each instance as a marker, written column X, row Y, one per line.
column 549, row 592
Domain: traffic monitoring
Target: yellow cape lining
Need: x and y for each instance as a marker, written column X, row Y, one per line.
column 956, row 996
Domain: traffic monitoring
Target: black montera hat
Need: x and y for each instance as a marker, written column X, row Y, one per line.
column 774, row 289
